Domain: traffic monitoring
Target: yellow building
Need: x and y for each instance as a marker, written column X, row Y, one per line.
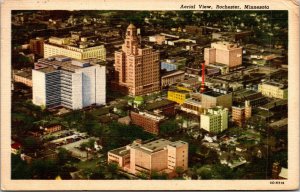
column 67, row 47
column 273, row 90
column 179, row 96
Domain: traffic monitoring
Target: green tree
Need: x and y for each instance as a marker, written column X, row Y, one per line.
column 168, row 127
column 204, row 172
column 30, row 144
column 44, row 169
column 179, row 171
column 111, row 171
column 143, row 175
column 63, row 156
column 19, row 168
column 159, row 176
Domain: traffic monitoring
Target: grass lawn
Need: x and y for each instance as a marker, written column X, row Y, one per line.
column 99, row 111
column 89, row 164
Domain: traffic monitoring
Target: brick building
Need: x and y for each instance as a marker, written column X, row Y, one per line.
column 149, row 121
column 52, row 128
column 164, row 107
column 241, row 113
column 36, row 46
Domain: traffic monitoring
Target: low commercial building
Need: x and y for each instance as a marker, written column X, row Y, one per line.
column 179, row 96
column 222, row 68
column 173, row 64
column 255, row 98
column 193, row 29
column 214, row 120
column 273, row 90
column 172, row 78
column 160, row 155
column 74, row 48
column 120, row 156
column 216, row 98
column 52, row 128
column 74, row 84
column 159, row 39
column 193, row 105
column 24, row 77
column 163, row 106
column 149, row 121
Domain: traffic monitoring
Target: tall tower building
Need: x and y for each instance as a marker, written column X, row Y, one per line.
column 137, row 68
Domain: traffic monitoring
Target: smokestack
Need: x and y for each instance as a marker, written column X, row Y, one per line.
column 203, row 78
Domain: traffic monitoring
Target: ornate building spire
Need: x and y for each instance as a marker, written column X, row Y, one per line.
column 131, row 40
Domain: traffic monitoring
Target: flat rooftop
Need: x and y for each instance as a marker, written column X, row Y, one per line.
column 193, row 101
column 273, row 104
column 155, row 145
column 178, row 91
column 122, row 151
column 178, row 143
column 61, row 62
column 213, row 93
column 280, row 123
column 158, row 104
column 275, row 84
column 75, row 43
column 172, row 73
column 26, row 74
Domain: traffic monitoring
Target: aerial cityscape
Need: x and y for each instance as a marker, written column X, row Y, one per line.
column 185, row 95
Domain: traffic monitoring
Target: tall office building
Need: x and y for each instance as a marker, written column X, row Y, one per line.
column 223, row 53
column 137, row 68
column 241, row 113
column 62, row 81
column 77, row 48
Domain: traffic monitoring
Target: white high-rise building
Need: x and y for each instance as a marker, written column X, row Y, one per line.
column 74, row 84
column 215, row 120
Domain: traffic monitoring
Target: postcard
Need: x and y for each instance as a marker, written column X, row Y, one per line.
column 141, row 95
